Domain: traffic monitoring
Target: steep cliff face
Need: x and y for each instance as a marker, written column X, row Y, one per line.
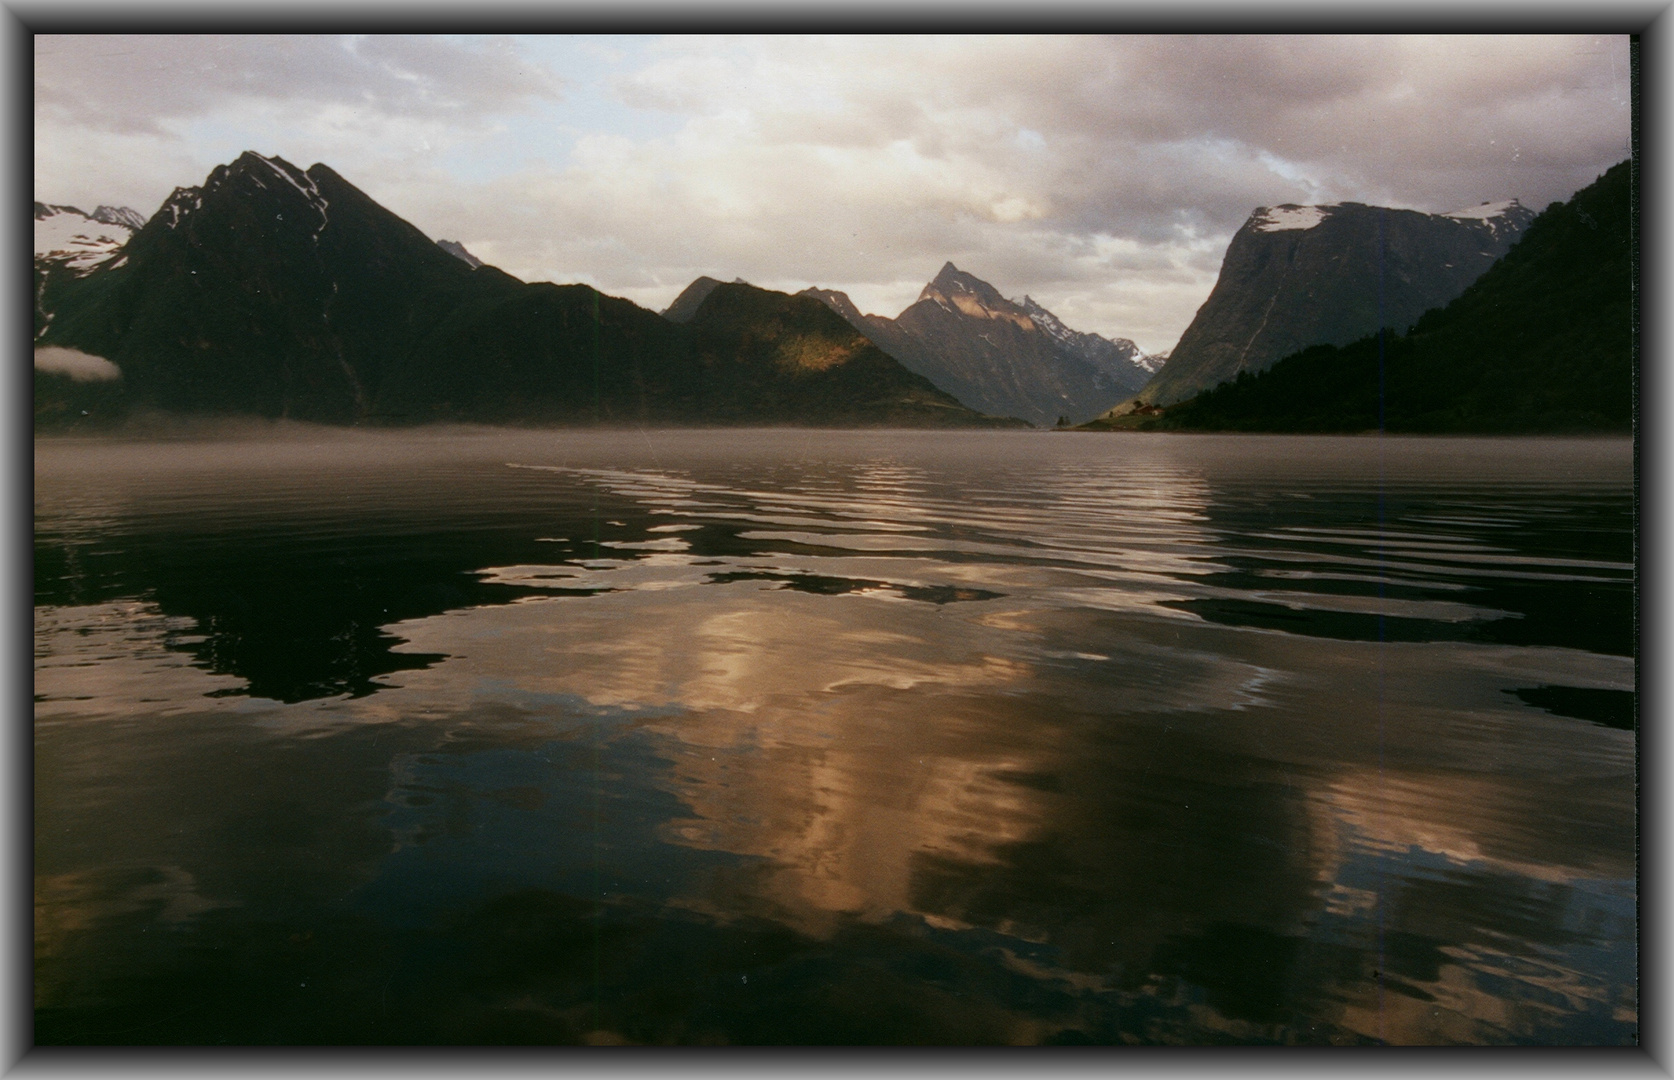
column 1297, row 276
column 999, row 356
column 1543, row 342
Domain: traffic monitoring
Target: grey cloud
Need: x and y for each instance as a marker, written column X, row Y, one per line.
column 130, row 83
column 1428, row 123
column 1101, row 175
column 1432, row 124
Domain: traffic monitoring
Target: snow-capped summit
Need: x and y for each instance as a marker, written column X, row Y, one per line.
column 1095, row 348
column 80, row 242
column 1485, row 210
column 119, row 215
column 1297, row 276
column 1505, row 217
column 1288, row 216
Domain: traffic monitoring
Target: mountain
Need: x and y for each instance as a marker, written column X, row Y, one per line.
column 1544, row 341
column 691, row 298
column 881, row 331
column 1004, row 357
column 567, row 354
column 70, row 244
column 1117, row 354
column 81, row 241
column 1295, row 276
column 457, row 250
column 274, row 291
column 129, row 218
column 792, row 356
column 267, row 290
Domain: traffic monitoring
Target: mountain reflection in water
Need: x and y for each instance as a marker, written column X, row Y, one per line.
column 794, row 736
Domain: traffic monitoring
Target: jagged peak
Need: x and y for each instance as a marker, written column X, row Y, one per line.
column 250, row 160
column 71, row 238
column 1034, row 308
column 1081, row 340
column 258, row 169
column 46, row 210
column 125, row 216
column 950, row 280
column 181, row 202
column 457, row 250
column 270, row 174
column 955, row 288
column 836, row 300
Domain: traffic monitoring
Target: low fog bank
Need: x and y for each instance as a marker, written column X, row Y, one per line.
column 150, row 439
column 221, row 451
column 79, row 366
column 227, row 449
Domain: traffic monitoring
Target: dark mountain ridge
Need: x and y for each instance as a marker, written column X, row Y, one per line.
column 274, row 291
column 685, row 306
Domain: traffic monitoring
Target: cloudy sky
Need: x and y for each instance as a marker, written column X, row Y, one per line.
column 1103, row 176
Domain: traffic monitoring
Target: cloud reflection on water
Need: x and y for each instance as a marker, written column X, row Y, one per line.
column 949, row 699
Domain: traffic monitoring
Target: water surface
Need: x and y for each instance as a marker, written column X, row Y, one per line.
column 814, row 737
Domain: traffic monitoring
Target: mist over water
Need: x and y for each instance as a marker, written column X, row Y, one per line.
column 801, row 736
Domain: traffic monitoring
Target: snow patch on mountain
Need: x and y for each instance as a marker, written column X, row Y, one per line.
column 1089, row 346
column 76, row 240
column 1289, row 216
column 1499, row 217
column 1486, row 210
column 301, row 181
column 1152, row 362
column 250, row 168
column 120, row 215
column 182, row 201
